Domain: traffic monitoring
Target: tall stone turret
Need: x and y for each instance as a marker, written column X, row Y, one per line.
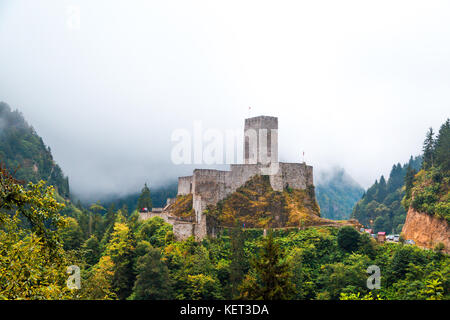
column 261, row 140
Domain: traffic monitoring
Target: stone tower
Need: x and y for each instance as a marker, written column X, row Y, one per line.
column 261, row 140
column 208, row 186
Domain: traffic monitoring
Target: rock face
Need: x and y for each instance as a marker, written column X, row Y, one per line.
column 426, row 230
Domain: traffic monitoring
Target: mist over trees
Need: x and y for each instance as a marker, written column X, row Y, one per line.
column 24, row 153
column 381, row 205
column 337, row 193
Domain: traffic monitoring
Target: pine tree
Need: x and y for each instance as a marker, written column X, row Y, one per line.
column 238, row 263
column 273, row 275
column 442, row 148
column 409, row 180
column 153, row 280
column 145, row 200
column 428, row 150
column 381, row 190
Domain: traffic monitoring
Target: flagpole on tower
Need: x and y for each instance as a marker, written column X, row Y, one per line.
column 249, row 111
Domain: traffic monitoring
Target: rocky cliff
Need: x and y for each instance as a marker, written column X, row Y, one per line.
column 426, row 230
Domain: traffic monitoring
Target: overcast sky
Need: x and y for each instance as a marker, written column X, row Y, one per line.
column 354, row 83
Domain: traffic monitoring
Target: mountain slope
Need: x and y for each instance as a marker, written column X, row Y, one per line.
column 23, row 151
column 380, row 207
column 427, row 194
column 337, row 193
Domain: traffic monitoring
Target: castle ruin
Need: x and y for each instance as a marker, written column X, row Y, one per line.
column 210, row 186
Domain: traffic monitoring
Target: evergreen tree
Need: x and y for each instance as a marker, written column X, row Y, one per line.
column 145, row 200
column 381, row 190
column 91, row 250
column 121, row 249
column 238, row 263
column 153, row 281
column 442, row 152
column 396, row 178
column 428, row 150
column 409, row 180
column 125, row 210
column 348, row 239
column 273, row 275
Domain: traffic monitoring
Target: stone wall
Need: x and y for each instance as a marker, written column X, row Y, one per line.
column 296, row 175
column 149, row 215
column 184, row 185
column 182, row 230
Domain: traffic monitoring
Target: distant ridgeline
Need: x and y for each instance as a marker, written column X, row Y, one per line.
column 337, row 193
column 381, row 207
column 158, row 195
column 22, row 149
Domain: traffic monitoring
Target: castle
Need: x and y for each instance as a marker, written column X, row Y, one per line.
column 207, row 186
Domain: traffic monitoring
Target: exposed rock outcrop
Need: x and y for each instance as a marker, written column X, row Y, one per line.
column 426, row 230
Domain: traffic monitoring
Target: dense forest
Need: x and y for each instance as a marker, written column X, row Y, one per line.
column 22, row 151
column 337, row 193
column 381, row 205
column 422, row 183
column 42, row 233
column 125, row 258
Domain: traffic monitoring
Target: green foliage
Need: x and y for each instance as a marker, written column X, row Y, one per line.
column 381, row 206
column 154, row 231
column 337, row 194
column 348, row 239
column 72, row 235
column 239, row 263
column 271, row 278
column 152, row 281
column 442, row 147
column 430, row 193
column 22, row 151
column 121, row 250
column 91, row 250
column 428, row 190
column 428, row 150
column 145, row 200
column 32, row 258
column 348, row 276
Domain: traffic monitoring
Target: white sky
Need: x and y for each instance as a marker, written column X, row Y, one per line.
column 354, row 83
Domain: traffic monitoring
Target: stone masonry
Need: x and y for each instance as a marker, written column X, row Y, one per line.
column 260, row 158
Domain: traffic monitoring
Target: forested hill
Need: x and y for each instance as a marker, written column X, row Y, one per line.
column 380, row 207
column 337, row 194
column 23, row 151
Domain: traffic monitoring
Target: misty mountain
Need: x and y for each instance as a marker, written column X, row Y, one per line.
column 159, row 197
column 24, row 154
column 337, row 193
